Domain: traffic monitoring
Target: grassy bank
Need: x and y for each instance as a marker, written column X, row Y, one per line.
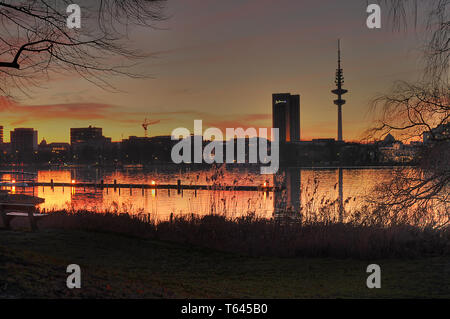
column 34, row 264
column 131, row 256
column 256, row 237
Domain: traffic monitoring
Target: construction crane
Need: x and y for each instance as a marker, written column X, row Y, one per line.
column 146, row 124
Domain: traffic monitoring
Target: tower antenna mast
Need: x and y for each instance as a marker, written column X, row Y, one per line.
column 339, row 91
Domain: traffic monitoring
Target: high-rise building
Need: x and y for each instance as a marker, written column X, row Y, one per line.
column 1, row 134
column 24, row 140
column 286, row 116
column 85, row 135
column 88, row 137
column 339, row 92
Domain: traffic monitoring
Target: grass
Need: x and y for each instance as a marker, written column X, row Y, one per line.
column 33, row 265
column 255, row 236
column 133, row 256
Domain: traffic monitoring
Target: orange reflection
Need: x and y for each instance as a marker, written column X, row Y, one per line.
column 160, row 203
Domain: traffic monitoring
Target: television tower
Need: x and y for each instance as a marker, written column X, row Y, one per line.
column 339, row 92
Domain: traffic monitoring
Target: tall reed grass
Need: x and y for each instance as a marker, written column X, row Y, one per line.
column 254, row 236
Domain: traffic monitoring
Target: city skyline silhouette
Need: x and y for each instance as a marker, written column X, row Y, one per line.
column 203, row 68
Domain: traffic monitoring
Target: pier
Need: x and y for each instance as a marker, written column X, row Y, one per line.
column 179, row 186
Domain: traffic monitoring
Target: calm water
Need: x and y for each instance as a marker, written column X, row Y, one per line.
column 302, row 185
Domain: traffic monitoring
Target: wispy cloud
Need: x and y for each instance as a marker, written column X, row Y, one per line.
column 19, row 114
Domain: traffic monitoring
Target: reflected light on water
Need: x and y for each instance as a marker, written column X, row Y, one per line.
column 300, row 186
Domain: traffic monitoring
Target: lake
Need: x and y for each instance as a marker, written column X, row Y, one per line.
column 305, row 186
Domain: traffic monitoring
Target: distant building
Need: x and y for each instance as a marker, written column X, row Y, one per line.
column 88, row 137
column 286, row 116
column 323, row 141
column 146, row 149
column 4, row 149
column 439, row 133
column 85, row 135
column 393, row 151
column 55, row 148
column 53, row 152
column 388, row 141
column 24, row 140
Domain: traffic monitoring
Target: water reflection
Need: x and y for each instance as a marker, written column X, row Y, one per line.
column 341, row 194
column 287, row 201
column 302, row 191
column 287, row 197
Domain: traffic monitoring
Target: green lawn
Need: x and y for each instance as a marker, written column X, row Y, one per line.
column 113, row 266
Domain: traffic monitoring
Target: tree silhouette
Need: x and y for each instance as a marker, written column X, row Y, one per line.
column 433, row 16
column 35, row 42
column 420, row 110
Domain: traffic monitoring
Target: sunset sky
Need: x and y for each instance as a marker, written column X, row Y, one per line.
column 220, row 62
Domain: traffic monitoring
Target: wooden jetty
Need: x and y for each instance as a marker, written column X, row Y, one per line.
column 179, row 186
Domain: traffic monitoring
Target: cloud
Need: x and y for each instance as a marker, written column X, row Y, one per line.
column 93, row 111
column 18, row 122
column 256, row 120
column 44, row 117
column 21, row 114
column 6, row 103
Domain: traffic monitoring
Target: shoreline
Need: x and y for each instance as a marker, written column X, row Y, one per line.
column 170, row 166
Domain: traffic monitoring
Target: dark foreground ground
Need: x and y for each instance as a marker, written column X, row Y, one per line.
column 33, row 265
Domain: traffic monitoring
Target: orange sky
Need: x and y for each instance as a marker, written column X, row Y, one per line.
column 220, row 62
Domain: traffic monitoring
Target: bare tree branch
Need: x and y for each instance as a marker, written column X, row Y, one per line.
column 419, row 111
column 35, row 42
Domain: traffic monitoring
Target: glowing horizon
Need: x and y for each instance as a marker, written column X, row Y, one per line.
column 222, row 66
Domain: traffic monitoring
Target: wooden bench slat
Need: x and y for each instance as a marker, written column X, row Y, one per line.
column 19, row 214
column 18, row 204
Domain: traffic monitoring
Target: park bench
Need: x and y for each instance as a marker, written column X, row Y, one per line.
column 20, row 206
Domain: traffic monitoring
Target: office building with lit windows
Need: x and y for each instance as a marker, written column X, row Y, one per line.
column 286, row 116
